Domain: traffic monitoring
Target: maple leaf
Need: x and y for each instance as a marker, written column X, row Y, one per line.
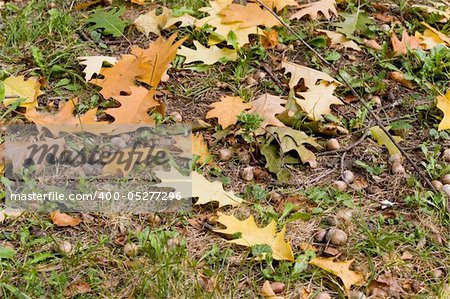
column 439, row 34
column 443, row 103
column 121, row 76
column 94, row 64
column 429, row 40
column 268, row 106
column 152, row 22
column 157, row 57
column 298, row 72
column 134, row 107
column 207, row 191
column 326, row 7
column 340, row 269
column 109, row 21
column 62, row 219
column 18, row 88
column 206, row 55
column 339, row 39
column 279, row 4
column 358, row 21
column 252, row 235
column 382, row 139
column 401, row 47
column 227, row 110
column 200, row 149
column 249, row 15
column 318, row 99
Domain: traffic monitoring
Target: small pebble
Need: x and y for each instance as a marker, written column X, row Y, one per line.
column 332, row 144
column 437, row 185
column 225, row 155
column 336, row 236
column 445, row 179
column 247, row 174
column 348, row 176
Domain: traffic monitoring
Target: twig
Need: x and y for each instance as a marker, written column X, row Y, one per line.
column 360, row 98
column 273, row 77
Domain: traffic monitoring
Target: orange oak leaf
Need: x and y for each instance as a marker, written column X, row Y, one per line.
column 134, row 107
column 62, row 219
column 121, row 76
column 227, row 110
column 408, row 42
column 249, row 15
column 158, row 57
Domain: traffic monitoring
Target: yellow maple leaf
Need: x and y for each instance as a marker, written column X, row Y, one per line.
column 18, row 88
column 200, row 149
column 309, row 76
column 443, row 11
column 429, row 40
column 206, row 55
column 248, row 16
column 443, row 103
column 340, row 269
column 207, row 191
column 441, row 35
column 227, row 110
column 318, row 99
column 326, row 7
column 252, row 235
column 383, row 139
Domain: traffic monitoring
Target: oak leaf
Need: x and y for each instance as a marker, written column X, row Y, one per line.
column 408, row 42
column 109, row 21
column 340, row 269
column 318, row 99
column 252, row 235
column 429, row 40
column 183, row 20
column 151, row 22
column 443, row 103
column 18, row 88
column 200, row 149
column 227, row 110
column 207, row 191
column 382, row 139
column 63, row 219
column 326, row 7
column 206, row 55
column 249, row 15
column 279, row 4
column 441, row 35
column 309, row 76
column 339, row 39
column 268, row 106
column 94, row 64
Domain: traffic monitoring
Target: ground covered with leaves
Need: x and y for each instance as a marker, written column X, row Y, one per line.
column 297, row 190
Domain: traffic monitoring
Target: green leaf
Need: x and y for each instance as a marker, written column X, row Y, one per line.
column 109, row 21
column 356, row 21
column 7, row 253
column 2, row 91
column 383, row 139
column 274, row 161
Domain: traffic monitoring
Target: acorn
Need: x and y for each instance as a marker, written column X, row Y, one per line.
column 244, row 156
column 225, row 155
column 277, row 287
column 385, row 27
column 322, row 295
column 176, row 116
column 344, row 215
column 332, row 144
column 320, row 235
column 446, row 190
column 259, row 75
column 446, row 155
column 437, row 185
column 356, row 295
column 340, row 186
column 348, row 176
column 445, row 179
column 395, row 158
column 173, row 242
column 398, row 168
column 64, row 247
column 275, row 197
column 280, row 47
column 336, row 236
column 376, row 100
column 130, row 249
column 247, row 174
column 251, row 81
column 331, row 220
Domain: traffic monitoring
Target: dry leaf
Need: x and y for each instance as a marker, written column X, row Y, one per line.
column 134, row 107
column 269, row 39
column 268, row 106
column 206, row 55
column 373, row 44
column 200, row 149
column 400, row 78
column 340, row 269
column 77, row 288
column 318, row 99
column 429, row 40
column 86, row 5
column 62, row 219
column 184, row 20
column 151, row 22
column 227, row 110
column 212, row 191
column 117, row 167
column 443, row 11
column 309, row 76
column 279, row 4
column 339, row 39
column 439, row 34
column 18, row 88
column 382, row 139
column 94, row 64
column 267, row 291
column 249, row 15
column 443, row 103
column 326, row 7
column 139, row 2
column 407, row 43
column 252, row 235
column 9, row 213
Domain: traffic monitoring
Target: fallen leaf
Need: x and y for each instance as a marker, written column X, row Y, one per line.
column 443, row 103
column 208, row 56
column 268, row 106
column 317, row 100
column 117, row 167
column 326, row 7
column 441, row 35
column 383, row 139
column 269, row 38
column 338, row 39
column 151, row 22
column 279, row 4
column 408, row 42
column 249, row 15
column 373, row 44
column 109, row 21
column 227, row 110
column 94, row 64
column 386, row 284
column 200, row 149
column 9, row 213
column 309, row 76
column 77, row 288
column 443, row 11
column 400, row 78
column 212, row 191
column 429, row 40
column 267, row 291
column 18, row 88
column 86, row 5
column 359, row 22
column 340, row 269
column 138, row 2
column 62, row 219
column 275, row 161
column 252, row 235
column 184, row 21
